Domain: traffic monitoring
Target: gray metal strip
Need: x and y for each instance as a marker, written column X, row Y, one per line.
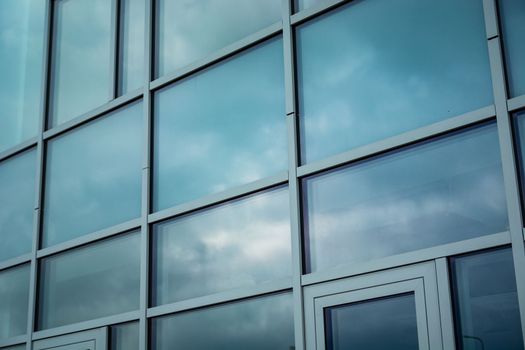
column 22, row 147
column 516, row 103
column 445, row 304
column 15, row 261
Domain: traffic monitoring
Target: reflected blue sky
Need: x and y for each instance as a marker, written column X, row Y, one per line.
column 304, row 4
column 440, row 192
column 14, row 297
column 220, row 128
column 93, row 176
column 21, row 57
column 17, row 203
column 98, row 280
column 182, row 38
column 360, row 82
column 257, row 324
column 239, row 244
column 132, row 45
column 512, row 13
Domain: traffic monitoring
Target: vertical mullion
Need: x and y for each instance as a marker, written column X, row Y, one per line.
column 445, row 304
column 508, row 158
column 115, row 49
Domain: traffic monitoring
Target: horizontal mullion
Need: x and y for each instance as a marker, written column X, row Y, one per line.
column 516, row 103
column 398, row 141
column 18, row 340
column 223, row 297
column 19, row 260
column 21, row 147
column 220, row 197
column 315, row 11
column 217, row 56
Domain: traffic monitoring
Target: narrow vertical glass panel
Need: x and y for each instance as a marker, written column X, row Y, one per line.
column 387, row 323
column 98, row 280
column 14, row 298
column 131, row 74
column 82, row 57
column 125, row 336
column 17, row 203
column 221, row 128
column 21, row 57
column 520, row 133
column 378, row 68
column 189, row 30
column 93, row 176
column 256, row 324
column 512, row 14
column 486, row 302
column 238, row 244
column 441, row 191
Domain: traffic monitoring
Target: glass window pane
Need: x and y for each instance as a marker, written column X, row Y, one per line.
column 387, row 323
column 17, row 203
column 21, row 57
column 93, row 176
column 14, row 297
column 15, row 347
column 221, row 128
column 486, row 301
column 512, row 14
column 360, row 82
column 438, row 192
column 520, row 128
column 125, row 336
column 303, row 4
column 238, row 244
column 81, row 73
column 182, row 38
column 132, row 45
column 266, row 323
column 101, row 279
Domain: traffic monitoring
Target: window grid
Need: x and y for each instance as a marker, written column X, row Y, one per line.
column 501, row 111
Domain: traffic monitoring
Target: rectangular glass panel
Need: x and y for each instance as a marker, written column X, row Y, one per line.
column 387, row 323
column 520, row 139
column 256, row 324
column 238, row 244
column 303, row 4
column 93, row 176
column 98, row 280
column 486, row 301
column 512, row 14
column 189, row 30
column 21, row 57
column 125, row 336
column 17, row 203
column 378, row 68
column 132, row 45
column 441, row 191
column 14, row 298
column 221, row 128
column 82, row 58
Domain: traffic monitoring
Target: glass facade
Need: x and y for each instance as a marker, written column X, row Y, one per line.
column 278, row 174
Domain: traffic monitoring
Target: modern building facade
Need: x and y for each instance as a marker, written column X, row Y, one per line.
column 262, row 174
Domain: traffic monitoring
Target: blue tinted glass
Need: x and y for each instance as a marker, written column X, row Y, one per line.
column 16, row 347
column 238, row 244
column 256, row 324
column 512, row 13
column 125, row 336
column 360, row 82
column 488, row 316
column 520, row 126
column 17, row 203
column 94, row 281
column 81, row 74
column 21, row 57
column 14, row 298
column 388, row 323
column 442, row 191
column 132, row 45
column 93, row 176
column 182, row 38
column 303, row 4
column 223, row 127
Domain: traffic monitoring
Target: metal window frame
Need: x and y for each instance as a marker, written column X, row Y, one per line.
column 501, row 111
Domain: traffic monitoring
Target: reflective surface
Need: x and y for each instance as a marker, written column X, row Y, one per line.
column 519, row 120
column 93, row 176
column 21, row 56
column 125, row 336
column 512, row 13
column 17, row 203
column 81, row 73
column 221, row 128
column 257, row 324
column 94, row 281
column 182, row 38
column 14, row 297
column 132, row 45
column 442, row 191
column 238, row 244
column 486, row 302
column 16, row 347
column 388, row 323
column 360, row 82
column 303, row 4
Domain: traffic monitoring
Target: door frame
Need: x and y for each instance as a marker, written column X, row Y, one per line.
column 98, row 335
